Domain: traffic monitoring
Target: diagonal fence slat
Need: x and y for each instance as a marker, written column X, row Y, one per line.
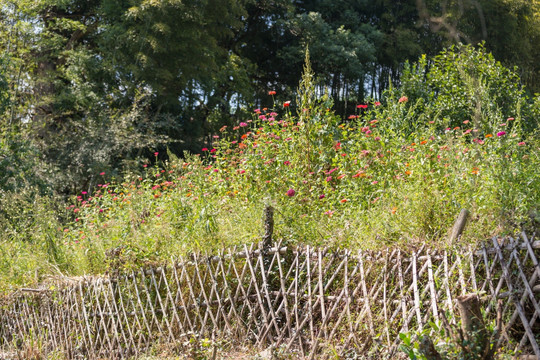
column 309, row 301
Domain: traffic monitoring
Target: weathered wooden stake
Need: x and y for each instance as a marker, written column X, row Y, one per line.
column 268, row 226
column 459, row 225
column 473, row 326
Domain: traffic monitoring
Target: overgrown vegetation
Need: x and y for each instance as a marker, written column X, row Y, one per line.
column 396, row 172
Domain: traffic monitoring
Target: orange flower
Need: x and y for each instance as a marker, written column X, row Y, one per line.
column 242, row 146
column 394, row 209
column 408, row 172
column 343, row 201
column 423, row 142
column 489, row 135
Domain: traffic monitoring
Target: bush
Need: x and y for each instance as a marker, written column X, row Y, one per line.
column 466, row 83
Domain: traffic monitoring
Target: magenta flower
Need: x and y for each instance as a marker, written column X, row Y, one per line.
column 322, row 196
column 291, row 192
column 156, row 153
column 501, row 133
column 243, row 124
column 102, row 173
column 521, row 143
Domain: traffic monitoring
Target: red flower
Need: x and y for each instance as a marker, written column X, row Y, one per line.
column 291, row 192
column 361, row 106
column 377, row 103
column 286, row 104
column 156, row 153
column 271, row 92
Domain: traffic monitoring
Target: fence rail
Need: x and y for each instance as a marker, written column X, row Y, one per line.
column 303, row 300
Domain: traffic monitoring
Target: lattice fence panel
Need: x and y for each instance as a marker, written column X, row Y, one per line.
column 305, row 300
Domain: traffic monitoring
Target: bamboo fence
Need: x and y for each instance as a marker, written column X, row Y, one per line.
column 306, row 301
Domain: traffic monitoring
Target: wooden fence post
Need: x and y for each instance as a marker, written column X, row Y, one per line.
column 268, row 227
column 459, row 225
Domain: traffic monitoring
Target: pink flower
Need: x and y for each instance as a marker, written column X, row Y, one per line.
column 287, row 162
column 362, row 106
column 328, row 179
column 377, row 103
column 403, row 99
column 84, row 192
column 100, row 210
column 156, row 153
column 322, row 196
column 102, row 173
column 243, row 124
column 521, row 143
column 291, row 192
column 213, row 150
column 501, row 133
column 204, row 149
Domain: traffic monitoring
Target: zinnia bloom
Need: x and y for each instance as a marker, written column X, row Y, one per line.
column 501, row 133
column 286, row 104
column 403, row 99
column 361, row 106
column 271, row 92
column 377, row 103
column 291, row 192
